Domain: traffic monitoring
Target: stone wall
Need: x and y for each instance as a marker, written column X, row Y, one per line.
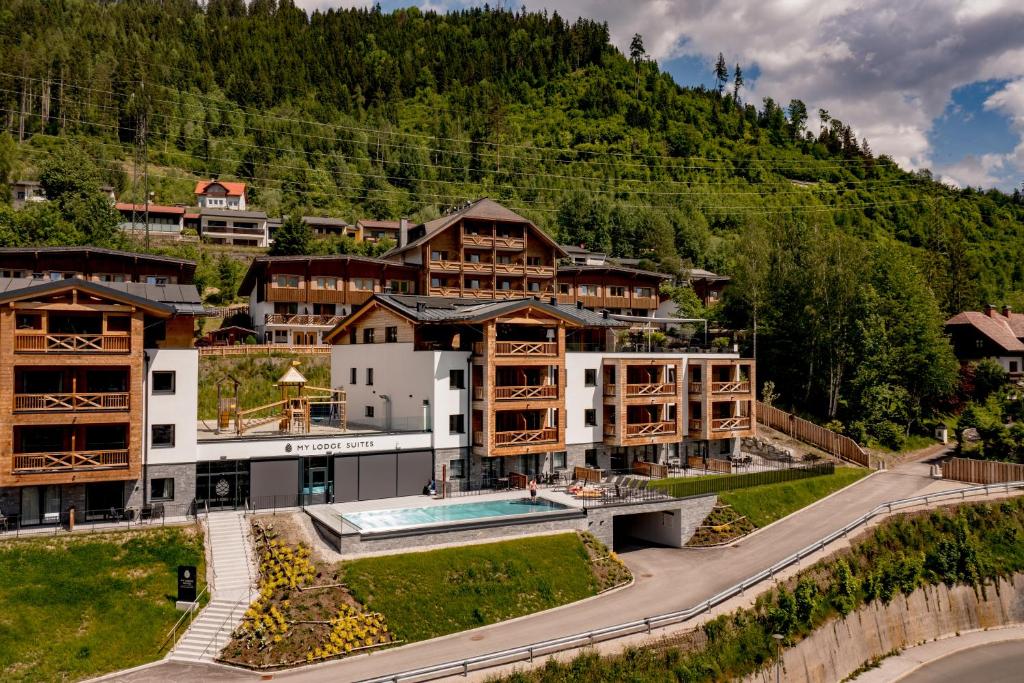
column 840, row 647
column 184, row 476
column 691, row 513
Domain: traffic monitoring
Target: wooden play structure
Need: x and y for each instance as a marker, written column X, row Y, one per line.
column 299, row 408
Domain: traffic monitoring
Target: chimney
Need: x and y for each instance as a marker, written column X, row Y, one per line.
column 403, row 232
column 553, row 301
column 990, row 310
column 579, row 305
column 604, row 314
column 420, row 306
column 1007, row 310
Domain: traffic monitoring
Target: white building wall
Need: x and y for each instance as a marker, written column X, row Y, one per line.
column 180, row 408
column 579, row 397
column 447, row 401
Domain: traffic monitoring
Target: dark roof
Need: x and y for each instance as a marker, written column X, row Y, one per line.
column 373, row 223
column 86, row 250
column 701, row 274
column 325, row 220
column 438, row 309
column 232, row 213
column 152, row 208
column 611, row 268
column 481, row 209
column 249, row 280
column 996, row 327
column 180, row 299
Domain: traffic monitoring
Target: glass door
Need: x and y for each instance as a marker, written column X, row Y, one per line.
column 316, row 481
column 40, row 505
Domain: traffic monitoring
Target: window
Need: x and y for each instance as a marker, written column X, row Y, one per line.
column 162, row 436
column 457, row 469
column 474, row 258
column 978, row 343
column 368, row 412
column 590, row 457
column 456, row 379
column 504, row 260
column 643, row 291
column 558, row 460
column 435, row 282
column 326, row 283
column 110, row 277
column 505, row 284
column 472, row 284
column 161, row 489
column 391, row 334
column 439, row 256
column 163, row 381
column 369, row 377
column 617, row 291
column 590, row 377
column 590, row 417
column 533, row 261
column 534, row 287
column 286, row 280
column 400, row 286
column 456, row 424
column 368, row 335
column 587, row 290
column 353, row 376
column 1013, row 366
column 563, row 288
column 362, row 284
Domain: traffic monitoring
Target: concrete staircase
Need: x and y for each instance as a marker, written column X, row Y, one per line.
column 234, row 580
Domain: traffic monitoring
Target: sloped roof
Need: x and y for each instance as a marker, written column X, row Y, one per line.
column 701, row 274
column 436, row 309
column 997, row 328
column 234, row 189
column 152, row 208
column 180, row 299
column 260, row 262
column 481, row 209
column 611, row 268
column 292, row 376
column 372, row 223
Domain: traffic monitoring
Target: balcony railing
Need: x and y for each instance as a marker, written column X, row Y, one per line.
column 633, row 390
column 609, row 429
column 516, row 393
column 730, row 424
column 65, row 461
column 513, row 348
column 445, row 265
column 72, row 343
column 499, row 242
column 30, row 403
column 696, row 425
column 742, row 387
column 651, row 428
column 525, row 436
column 300, row 320
column 696, row 388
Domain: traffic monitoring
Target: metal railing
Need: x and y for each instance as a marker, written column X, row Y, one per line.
column 526, row 653
column 172, row 635
column 98, row 520
column 266, row 349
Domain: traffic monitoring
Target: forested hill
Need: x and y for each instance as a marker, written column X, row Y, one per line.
column 360, row 113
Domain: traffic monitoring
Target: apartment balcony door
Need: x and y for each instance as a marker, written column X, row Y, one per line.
column 40, row 505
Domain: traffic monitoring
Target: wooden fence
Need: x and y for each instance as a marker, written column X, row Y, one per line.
column 816, row 435
column 981, row 471
column 711, row 464
column 263, row 349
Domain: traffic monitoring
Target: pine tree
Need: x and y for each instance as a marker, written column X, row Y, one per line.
column 721, row 73
column 737, row 83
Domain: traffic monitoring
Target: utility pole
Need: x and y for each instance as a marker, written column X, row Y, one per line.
column 143, row 124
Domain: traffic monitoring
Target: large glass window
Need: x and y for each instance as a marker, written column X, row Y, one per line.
column 222, row 483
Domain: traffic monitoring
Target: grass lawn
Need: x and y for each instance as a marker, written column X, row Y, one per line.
column 74, row 607
column 434, row 593
column 764, row 504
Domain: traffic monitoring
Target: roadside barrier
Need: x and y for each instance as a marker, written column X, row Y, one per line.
column 527, row 653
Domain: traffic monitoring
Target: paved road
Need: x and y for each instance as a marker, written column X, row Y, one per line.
column 995, row 663
column 667, row 580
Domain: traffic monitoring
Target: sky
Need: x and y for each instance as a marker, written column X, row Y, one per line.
column 935, row 84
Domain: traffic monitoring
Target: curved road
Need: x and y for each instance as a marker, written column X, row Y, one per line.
column 995, row 663
column 666, row 580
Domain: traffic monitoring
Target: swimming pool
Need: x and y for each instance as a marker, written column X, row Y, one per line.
column 401, row 518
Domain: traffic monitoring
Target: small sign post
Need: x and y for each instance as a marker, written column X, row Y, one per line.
column 186, row 586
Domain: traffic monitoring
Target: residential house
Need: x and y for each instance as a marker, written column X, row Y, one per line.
column 221, row 194
column 233, row 226
column 993, row 334
column 167, row 221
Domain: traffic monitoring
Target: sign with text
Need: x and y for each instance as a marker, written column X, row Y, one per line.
column 186, row 583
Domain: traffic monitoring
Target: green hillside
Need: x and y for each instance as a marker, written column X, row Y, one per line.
column 847, row 264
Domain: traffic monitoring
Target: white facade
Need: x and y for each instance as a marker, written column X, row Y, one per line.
column 283, row 334
column 178, row 407
column 247, row 228
column 232, row 202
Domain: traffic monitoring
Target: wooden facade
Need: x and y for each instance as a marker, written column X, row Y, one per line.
column 80, row 435
column 643, row 401
column 721, row 398
column 93, row 264
column 619, row 290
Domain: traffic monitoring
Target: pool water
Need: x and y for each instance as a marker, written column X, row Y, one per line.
column 400, row 518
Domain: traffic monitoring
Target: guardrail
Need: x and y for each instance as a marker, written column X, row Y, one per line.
column 647, row 624
column 172, row 635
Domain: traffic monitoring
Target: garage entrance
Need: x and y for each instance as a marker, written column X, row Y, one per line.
column 646, row 529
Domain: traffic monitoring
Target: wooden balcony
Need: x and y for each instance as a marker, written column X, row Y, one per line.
column 33, row 403
column 525, row 436
column 609, row 429
column 515, row 348
column 497, row 242
column 730, row 387
column 69, row 461
column 523, row 393
column 279, row 319
column 327, row 296
column 448, row 266
column 72, row 343
column 508, row 268
column 619, row 302
column 291, row 294
column 696, row 426
column 541, row 271
column 650, row 428
column 637, row 390
column 730, row 424
column 696, row 388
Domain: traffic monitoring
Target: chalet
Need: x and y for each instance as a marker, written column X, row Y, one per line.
column 618, row 289
column 221, row 194
column 100, row 393
column 706, row 285
column 998, row 335
column 367, row 230
column 480, row 251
